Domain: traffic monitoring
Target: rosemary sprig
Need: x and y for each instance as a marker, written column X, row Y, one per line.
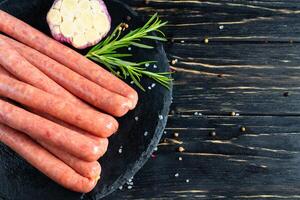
column 106, row 52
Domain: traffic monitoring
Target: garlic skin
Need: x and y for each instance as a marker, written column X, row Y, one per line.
column 81, row 23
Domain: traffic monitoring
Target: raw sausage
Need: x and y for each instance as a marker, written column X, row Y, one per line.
column 90, row 120
column 103, row 142
column 45, row 161
column 18, row 66
column 47, row 131
column 68, row 57
column 72, row 81
column 87, row 169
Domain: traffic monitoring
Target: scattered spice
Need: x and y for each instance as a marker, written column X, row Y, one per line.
column 181, row 149
column 243, row 129
column 174, row 61
column 206, row 41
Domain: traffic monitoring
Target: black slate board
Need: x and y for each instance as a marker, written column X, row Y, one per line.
column 20, row 181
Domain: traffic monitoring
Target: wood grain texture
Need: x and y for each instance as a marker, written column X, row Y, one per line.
column 251, row 67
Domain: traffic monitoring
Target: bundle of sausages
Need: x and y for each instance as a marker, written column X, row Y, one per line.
column 57, row 108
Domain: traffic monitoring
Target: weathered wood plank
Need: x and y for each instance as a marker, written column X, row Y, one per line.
column 264, row 160
column 227, row 20
column 254, row 46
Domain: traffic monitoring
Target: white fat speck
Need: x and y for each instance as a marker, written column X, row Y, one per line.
column 161, row 117
column 176, row 175
column 146, row 133
column 147, row 65
column 154, row 66
column 136, row 118
column 129, row 48
column 187, row 180
column 153, row 85
column 129, row 187
column 180, row 158
column 221, row 27
column 121, row 187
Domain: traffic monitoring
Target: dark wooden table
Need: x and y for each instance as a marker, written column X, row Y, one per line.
column 236, row 102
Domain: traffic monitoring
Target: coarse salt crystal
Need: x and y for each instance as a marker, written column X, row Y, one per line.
column 136, row 118
column 153, row 85
column 176, row 175
column 147, row 65
column 180, row 158
column 129, row 187
column 161, row 117
column 154, row 66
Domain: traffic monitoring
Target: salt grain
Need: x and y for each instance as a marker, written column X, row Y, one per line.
column 180, row 158
column 121, row 187
column 120, row 151
column 221, row 27
column 146, row 133
column 136, row 118
column 150, row 88
column 129, row 187
column 147, row 65
column 176, row 175
column 129, row 48
column 187, row 180
column 132, row 82
column 154, row 66
column 153, row 85
column 155, row 149
column 182, row 41
column 196, row 113
column 161, row 117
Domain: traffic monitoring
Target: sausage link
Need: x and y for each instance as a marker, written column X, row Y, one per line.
column 68, row 57
column 90, row 120
column 47, row 131
column 87, row 169
column 44, row 161
column 18, row 66
column 78, row 85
